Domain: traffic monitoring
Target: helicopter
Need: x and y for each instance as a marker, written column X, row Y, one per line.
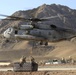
column 43, row 34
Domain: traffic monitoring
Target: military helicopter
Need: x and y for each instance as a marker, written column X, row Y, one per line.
column 43, row 34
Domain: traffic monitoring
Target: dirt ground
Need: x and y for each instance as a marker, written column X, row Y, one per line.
column 40, row 73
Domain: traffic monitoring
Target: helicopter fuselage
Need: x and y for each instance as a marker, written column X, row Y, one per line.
column 43, row 35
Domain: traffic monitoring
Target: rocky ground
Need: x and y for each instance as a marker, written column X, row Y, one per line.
column 40, row 73
column 54, row 50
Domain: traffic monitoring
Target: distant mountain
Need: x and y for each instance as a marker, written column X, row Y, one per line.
column 67, row 16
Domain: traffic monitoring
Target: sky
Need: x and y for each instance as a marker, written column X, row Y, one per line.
column 8, row 7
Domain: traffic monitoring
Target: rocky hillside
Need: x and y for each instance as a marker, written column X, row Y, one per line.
column 66, row 18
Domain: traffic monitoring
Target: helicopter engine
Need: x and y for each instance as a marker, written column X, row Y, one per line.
column 25, row 27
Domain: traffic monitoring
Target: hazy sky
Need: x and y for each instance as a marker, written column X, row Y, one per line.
column 8, row 7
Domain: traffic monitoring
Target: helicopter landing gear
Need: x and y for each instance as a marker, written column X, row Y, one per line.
column 46, row 43
column 43, row 43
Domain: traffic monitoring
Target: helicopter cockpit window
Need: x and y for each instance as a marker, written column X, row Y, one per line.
column 9, row 29
column 16, row 32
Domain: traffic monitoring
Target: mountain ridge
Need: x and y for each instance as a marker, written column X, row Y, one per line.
column 66, row 16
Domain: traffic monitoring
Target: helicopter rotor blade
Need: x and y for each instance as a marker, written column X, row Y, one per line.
column 42, row 19
column 13, row 17
column 28, row 19
column 20, row 18
column 8, row 19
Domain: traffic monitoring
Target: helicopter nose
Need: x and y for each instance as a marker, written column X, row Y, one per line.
column 8, row 33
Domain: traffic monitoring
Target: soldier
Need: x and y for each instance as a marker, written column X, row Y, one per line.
column 34, row 64
column 32, row 59
column 22, row 61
